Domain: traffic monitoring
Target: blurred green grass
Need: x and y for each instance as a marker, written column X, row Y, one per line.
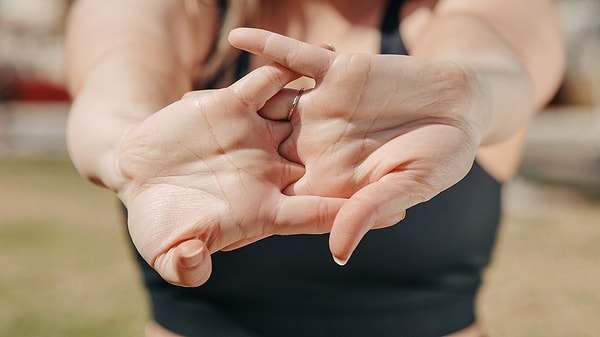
column 66, row 268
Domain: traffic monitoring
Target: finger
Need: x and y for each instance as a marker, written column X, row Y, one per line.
column 305, row 215
column 299, row 215
column 306, row 59
column 327, row 46
column 288, row 149
column 186, row 265
column 196, row 93
column 257, row 87
column 278, row 107
column 279, row 131
column 377, row 205
column 243, row 243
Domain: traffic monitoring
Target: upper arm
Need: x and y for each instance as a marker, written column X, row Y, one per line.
column 530, row 28
column 176, row 34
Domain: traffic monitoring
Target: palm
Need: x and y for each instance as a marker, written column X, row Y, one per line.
column 204, row 174
column 353, row 133
column 387, row 131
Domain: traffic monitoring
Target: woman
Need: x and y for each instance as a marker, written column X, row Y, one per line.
column 376, row 135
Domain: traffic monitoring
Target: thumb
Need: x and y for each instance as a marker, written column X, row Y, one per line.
column 297, row 215
column 188, row 264
column 377, row 205
column 304, row 214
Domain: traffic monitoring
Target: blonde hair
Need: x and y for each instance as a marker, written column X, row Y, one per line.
column 237, row 13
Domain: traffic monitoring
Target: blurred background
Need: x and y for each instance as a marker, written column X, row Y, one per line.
column 66, row 268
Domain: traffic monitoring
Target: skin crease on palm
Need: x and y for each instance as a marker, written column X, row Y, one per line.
column 202, row 205
column 371, row 136
column 348, row 140
column 363, row 147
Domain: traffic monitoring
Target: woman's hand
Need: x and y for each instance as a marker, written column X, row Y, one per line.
column 386, row 131
column 204, row 174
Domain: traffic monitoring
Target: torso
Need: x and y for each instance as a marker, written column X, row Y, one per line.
column 430, row 260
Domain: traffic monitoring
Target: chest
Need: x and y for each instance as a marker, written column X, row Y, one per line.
column 348, row 26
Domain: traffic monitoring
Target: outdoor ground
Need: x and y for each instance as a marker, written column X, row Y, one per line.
column 65, row 267
column 65, row 270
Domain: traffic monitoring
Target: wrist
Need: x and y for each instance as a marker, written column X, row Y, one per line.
column 97, row 122
column 102, row 113
column 93, row 143
column 502, row 99
column 455, row 95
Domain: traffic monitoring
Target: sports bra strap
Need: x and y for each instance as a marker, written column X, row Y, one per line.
column 391, row 42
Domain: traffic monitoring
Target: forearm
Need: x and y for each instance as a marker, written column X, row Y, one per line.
column 118, row 93
column 122, row 67
column 514, row 60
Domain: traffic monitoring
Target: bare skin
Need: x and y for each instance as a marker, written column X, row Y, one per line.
column 357, row 98
column 516, row 60
column 180, row 214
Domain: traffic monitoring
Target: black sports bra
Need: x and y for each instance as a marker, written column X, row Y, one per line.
column 417, row 278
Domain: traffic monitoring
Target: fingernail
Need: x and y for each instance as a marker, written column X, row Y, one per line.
column 339, row 261
column 192, row 259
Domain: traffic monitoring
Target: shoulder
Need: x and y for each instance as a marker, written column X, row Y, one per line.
column 200, row 21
